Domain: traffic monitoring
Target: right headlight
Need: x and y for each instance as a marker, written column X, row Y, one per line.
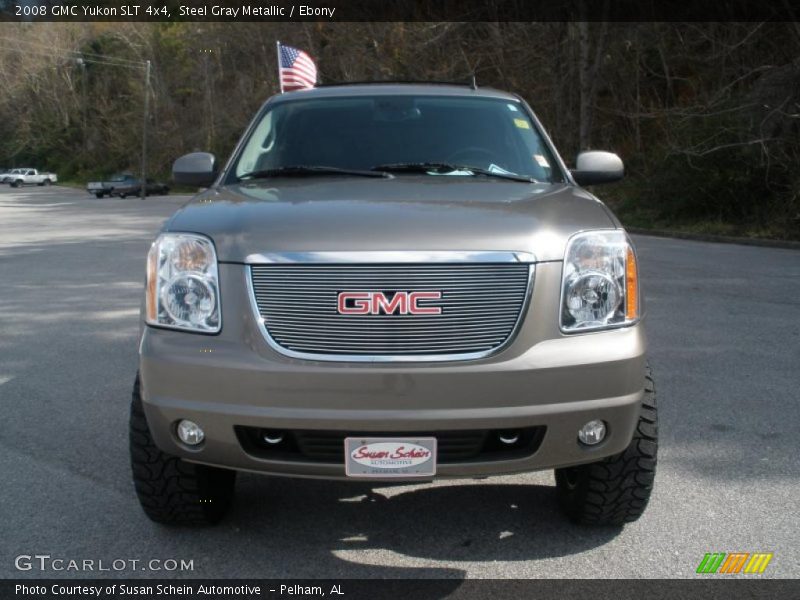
column 600, row 282
column 183, row 283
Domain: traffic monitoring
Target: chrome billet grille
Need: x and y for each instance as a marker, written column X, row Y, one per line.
column 481, row 306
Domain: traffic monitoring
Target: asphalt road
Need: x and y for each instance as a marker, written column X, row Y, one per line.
column 724, row 327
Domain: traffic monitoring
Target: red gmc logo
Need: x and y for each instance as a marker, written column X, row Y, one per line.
column 376, row 303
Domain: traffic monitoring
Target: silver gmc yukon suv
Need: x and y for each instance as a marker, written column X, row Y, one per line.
column 393, row 282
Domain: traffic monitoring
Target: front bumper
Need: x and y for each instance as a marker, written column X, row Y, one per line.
column 543, row 379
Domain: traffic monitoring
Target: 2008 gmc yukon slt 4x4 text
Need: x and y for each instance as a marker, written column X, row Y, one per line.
column 397, row 282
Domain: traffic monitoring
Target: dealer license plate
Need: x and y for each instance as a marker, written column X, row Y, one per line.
column 390, row 457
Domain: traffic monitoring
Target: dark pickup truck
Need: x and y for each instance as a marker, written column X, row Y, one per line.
column 124, row 185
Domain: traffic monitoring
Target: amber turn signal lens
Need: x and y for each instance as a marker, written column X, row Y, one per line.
column 631, row 286
column 152, row 280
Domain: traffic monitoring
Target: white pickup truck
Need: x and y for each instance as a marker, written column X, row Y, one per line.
column 30, row 177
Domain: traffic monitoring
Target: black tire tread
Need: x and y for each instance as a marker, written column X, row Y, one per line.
column 170, row 490
column 617, row 489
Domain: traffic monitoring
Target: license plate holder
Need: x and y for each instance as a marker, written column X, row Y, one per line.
column 390, row 457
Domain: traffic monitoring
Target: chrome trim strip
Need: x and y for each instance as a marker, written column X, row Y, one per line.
column 381, row 358
column 390, row 257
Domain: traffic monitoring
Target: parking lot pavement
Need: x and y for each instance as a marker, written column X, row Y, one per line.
column 725, row 346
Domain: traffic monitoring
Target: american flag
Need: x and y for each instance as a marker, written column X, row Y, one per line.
column 297, row 70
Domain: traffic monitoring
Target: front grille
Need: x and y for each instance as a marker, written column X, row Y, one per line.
column 322, row 446
column 480, row 308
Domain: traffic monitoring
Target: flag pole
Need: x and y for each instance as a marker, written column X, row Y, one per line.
column 278, row 50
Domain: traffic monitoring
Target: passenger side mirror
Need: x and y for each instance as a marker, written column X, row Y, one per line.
column 195, row 169
column 597, row 167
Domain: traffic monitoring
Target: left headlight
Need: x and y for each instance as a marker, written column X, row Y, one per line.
column 183, row 283
column 600, row 282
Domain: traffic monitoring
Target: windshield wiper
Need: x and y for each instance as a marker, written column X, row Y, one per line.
column 443, row 168
column 309, row 170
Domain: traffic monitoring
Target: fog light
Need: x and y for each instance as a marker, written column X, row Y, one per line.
column 592, row 433
column 190, row 433
column 271, row 437
column 509, row 438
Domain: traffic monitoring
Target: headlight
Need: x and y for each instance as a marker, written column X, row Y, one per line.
column 183, row 283
column 600, row 282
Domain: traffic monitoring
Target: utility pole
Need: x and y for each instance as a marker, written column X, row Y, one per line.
column 84, row 128
column 81, row 58
column 143, row 190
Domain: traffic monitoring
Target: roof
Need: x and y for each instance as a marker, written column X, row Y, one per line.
column 395, row 89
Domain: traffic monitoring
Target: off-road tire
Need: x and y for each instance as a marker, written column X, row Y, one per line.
column 170, row 490
column 615, row 490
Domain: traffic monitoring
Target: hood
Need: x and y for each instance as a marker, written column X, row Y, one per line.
column 417, row 213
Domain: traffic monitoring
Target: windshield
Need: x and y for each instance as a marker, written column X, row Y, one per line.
column 362, row 133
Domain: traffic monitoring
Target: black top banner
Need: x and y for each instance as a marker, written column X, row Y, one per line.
column 397, row 10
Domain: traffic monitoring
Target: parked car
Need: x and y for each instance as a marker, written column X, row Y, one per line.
column 124, row 185
column 8, row 175
column 393, row 283
column 108, row 188
column 134, row 188
column 28, row 176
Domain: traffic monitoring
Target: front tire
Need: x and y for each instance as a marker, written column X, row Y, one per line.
column 170, row 490
column 615, row 490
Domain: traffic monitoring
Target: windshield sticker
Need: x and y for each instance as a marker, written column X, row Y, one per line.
column 511, row 107
column 541, row 161
column 522, row 123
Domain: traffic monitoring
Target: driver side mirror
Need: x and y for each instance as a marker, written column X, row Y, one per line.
column 195, row 169
column 596, row 167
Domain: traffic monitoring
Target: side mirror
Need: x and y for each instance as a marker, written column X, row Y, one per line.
column 596, row 167
column 195, row 169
